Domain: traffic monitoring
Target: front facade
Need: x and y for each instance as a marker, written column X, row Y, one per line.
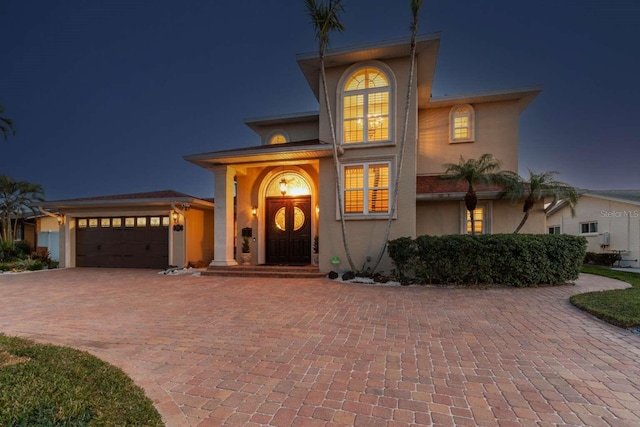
column 286, row 186
column 608, row 219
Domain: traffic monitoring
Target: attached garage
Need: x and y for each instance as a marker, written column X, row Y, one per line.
column 141, row 230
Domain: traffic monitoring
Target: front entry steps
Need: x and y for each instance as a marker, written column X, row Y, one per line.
column 273, row 271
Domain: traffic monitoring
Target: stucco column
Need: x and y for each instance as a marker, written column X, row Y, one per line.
column 223, row 217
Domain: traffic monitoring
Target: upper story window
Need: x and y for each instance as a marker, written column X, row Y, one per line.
column 277, row 137
column 365, row 101
column 366, row 188
column 461, row 123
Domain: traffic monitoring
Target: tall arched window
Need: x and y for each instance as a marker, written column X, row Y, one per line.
column 461, row 124
column 365, row 101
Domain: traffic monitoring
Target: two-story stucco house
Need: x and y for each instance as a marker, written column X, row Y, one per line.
column 282, row 192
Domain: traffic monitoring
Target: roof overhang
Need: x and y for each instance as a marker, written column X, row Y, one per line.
column 263, row 155
column 256, row 123
column 524, row 96
column 426, row 52
column 125, row 203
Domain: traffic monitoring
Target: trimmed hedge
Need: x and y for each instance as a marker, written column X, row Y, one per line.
column 513, row 259
column 606, row 259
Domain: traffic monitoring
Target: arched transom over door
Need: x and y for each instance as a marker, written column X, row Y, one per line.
column 288, row 217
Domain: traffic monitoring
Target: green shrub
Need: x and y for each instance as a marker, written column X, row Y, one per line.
column 402, row 252
column 606, row 259
column 515, row 259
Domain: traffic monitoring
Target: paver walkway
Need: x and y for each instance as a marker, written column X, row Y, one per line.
column 227, row 351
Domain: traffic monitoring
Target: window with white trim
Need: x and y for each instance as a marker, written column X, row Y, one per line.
column 366, row 188
column 461, row 123
column 588, row 227
column 481, row 219
column 365, row 104
column 554, row 229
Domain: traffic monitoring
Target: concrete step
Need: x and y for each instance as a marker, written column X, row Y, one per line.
column 273, row 271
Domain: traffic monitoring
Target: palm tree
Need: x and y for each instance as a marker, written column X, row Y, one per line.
column 16, row 198
column 324, row 17
column 6, row 125
column 540, row 186
column 415, row 12
column 485, row 170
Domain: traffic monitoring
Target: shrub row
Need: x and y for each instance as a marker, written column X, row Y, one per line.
column 513, row 259
column 606, row 259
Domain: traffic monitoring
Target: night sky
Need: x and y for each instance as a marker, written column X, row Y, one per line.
column 108, row 96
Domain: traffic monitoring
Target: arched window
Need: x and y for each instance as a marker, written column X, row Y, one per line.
column 365, row 100
column 277, row 137
column 461, row 124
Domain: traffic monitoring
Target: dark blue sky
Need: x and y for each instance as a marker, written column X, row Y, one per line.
column 109, row 95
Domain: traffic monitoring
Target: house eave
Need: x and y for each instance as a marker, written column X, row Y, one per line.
column 482, row 195
column 261, row 154
column 309, row 63
column 125, row 203
column 524, row 96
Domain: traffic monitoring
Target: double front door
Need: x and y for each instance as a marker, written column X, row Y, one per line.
column 288, row 230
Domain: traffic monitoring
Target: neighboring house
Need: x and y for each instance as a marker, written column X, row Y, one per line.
column 141, row 230
column 286, row 186
column 609, row 219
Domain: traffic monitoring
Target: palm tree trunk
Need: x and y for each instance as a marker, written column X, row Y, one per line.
column 403, row 136
column 524, row 219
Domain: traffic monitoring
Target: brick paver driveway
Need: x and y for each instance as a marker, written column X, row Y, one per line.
column 213, row 351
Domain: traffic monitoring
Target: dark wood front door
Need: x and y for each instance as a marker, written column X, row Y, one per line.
column 288, row 230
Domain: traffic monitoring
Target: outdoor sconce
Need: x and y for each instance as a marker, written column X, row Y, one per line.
column 254, row 210
column 283, row 186
column 60, row 219
column 175, row 217
column 317, row 209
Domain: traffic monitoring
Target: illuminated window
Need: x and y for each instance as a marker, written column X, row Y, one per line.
column 366, row 188
column 481, row 217
column 82, row 223
column 278, row 137
column 366, row 106
column 588, row 227
column 116, row 222
column 154, row 221
column 105, row 222
column 461, row 122
column 129, row 222
column 165, row 221
column 141, row 221
column 93, row 222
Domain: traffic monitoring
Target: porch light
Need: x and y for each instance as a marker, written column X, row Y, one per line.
column 283, row 186
column 175, row 217
column 317, row 209
column 254, row 210
column 60, row 219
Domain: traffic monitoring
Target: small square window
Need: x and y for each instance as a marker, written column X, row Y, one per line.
column 165, row 221
column 130, row 222
column 105, row 222
column 82, row 223
column 141, row 221
column 93, row 222
column 154, row 221
column 116, row 222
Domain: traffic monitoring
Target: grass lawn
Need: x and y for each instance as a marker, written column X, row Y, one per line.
column 47, row 385
column 618, row 307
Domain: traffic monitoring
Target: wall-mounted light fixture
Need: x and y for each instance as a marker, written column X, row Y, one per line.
column 317, row 209
column 60, row 219
column 283, row 186
column 254, row 210
column 175, row 217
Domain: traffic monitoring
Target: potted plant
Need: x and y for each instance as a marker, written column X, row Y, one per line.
column 246, row 251
column 316, row 248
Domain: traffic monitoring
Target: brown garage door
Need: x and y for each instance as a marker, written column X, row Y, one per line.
column 129, row 242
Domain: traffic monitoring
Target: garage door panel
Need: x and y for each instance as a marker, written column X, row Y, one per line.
column 137, row 246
